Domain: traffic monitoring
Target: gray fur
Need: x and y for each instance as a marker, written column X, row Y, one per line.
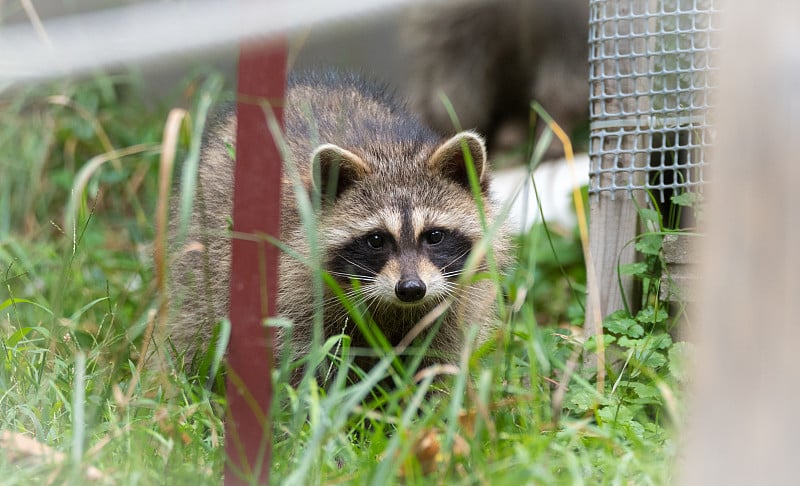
column 492, row 58
column 363, row 119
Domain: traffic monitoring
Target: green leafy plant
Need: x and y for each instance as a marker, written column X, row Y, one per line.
column 648, row 366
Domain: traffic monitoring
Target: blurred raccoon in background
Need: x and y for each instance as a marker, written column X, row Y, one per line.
column 492, row 58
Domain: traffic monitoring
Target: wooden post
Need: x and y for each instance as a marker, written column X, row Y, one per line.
column 254, row 266
column 679, row 279
column 743, row 427
column 613, row 217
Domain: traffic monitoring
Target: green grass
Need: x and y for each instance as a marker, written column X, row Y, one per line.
column 75, row 304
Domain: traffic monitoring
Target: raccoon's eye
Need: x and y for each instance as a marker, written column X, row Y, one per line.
column 434, row 237
column 376, row 241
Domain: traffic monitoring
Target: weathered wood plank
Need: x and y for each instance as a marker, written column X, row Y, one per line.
column 744, row 427
column 681, row 278
column 612, row 226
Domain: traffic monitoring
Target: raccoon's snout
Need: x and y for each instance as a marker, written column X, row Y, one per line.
column 410, row 290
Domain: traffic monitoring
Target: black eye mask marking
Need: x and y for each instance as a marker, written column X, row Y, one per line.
column 447, row 249
column 364, row 256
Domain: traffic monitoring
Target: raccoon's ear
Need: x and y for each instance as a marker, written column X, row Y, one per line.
column 450, row 159
column 334, row 170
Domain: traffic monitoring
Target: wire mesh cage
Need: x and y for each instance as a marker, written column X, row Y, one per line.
column 652, row 79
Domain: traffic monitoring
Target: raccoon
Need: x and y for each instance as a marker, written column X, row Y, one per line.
column 492, row 58
column 396, row 222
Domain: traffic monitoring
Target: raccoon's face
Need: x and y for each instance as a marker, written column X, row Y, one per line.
column 404, row 232
column 402, row 263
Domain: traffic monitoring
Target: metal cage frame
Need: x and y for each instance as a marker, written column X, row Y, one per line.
column 652, row 77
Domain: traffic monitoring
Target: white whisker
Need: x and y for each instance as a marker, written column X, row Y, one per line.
column 456, row 259
column 357, row 265
column 353, row 276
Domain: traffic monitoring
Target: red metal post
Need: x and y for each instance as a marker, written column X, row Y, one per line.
column 254, row 267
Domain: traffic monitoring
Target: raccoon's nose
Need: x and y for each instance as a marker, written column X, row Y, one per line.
column 410, row 290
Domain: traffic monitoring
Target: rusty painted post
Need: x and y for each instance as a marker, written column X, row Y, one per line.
column 254, row 266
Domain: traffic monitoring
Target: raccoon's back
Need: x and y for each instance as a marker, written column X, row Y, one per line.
column 199, row 265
